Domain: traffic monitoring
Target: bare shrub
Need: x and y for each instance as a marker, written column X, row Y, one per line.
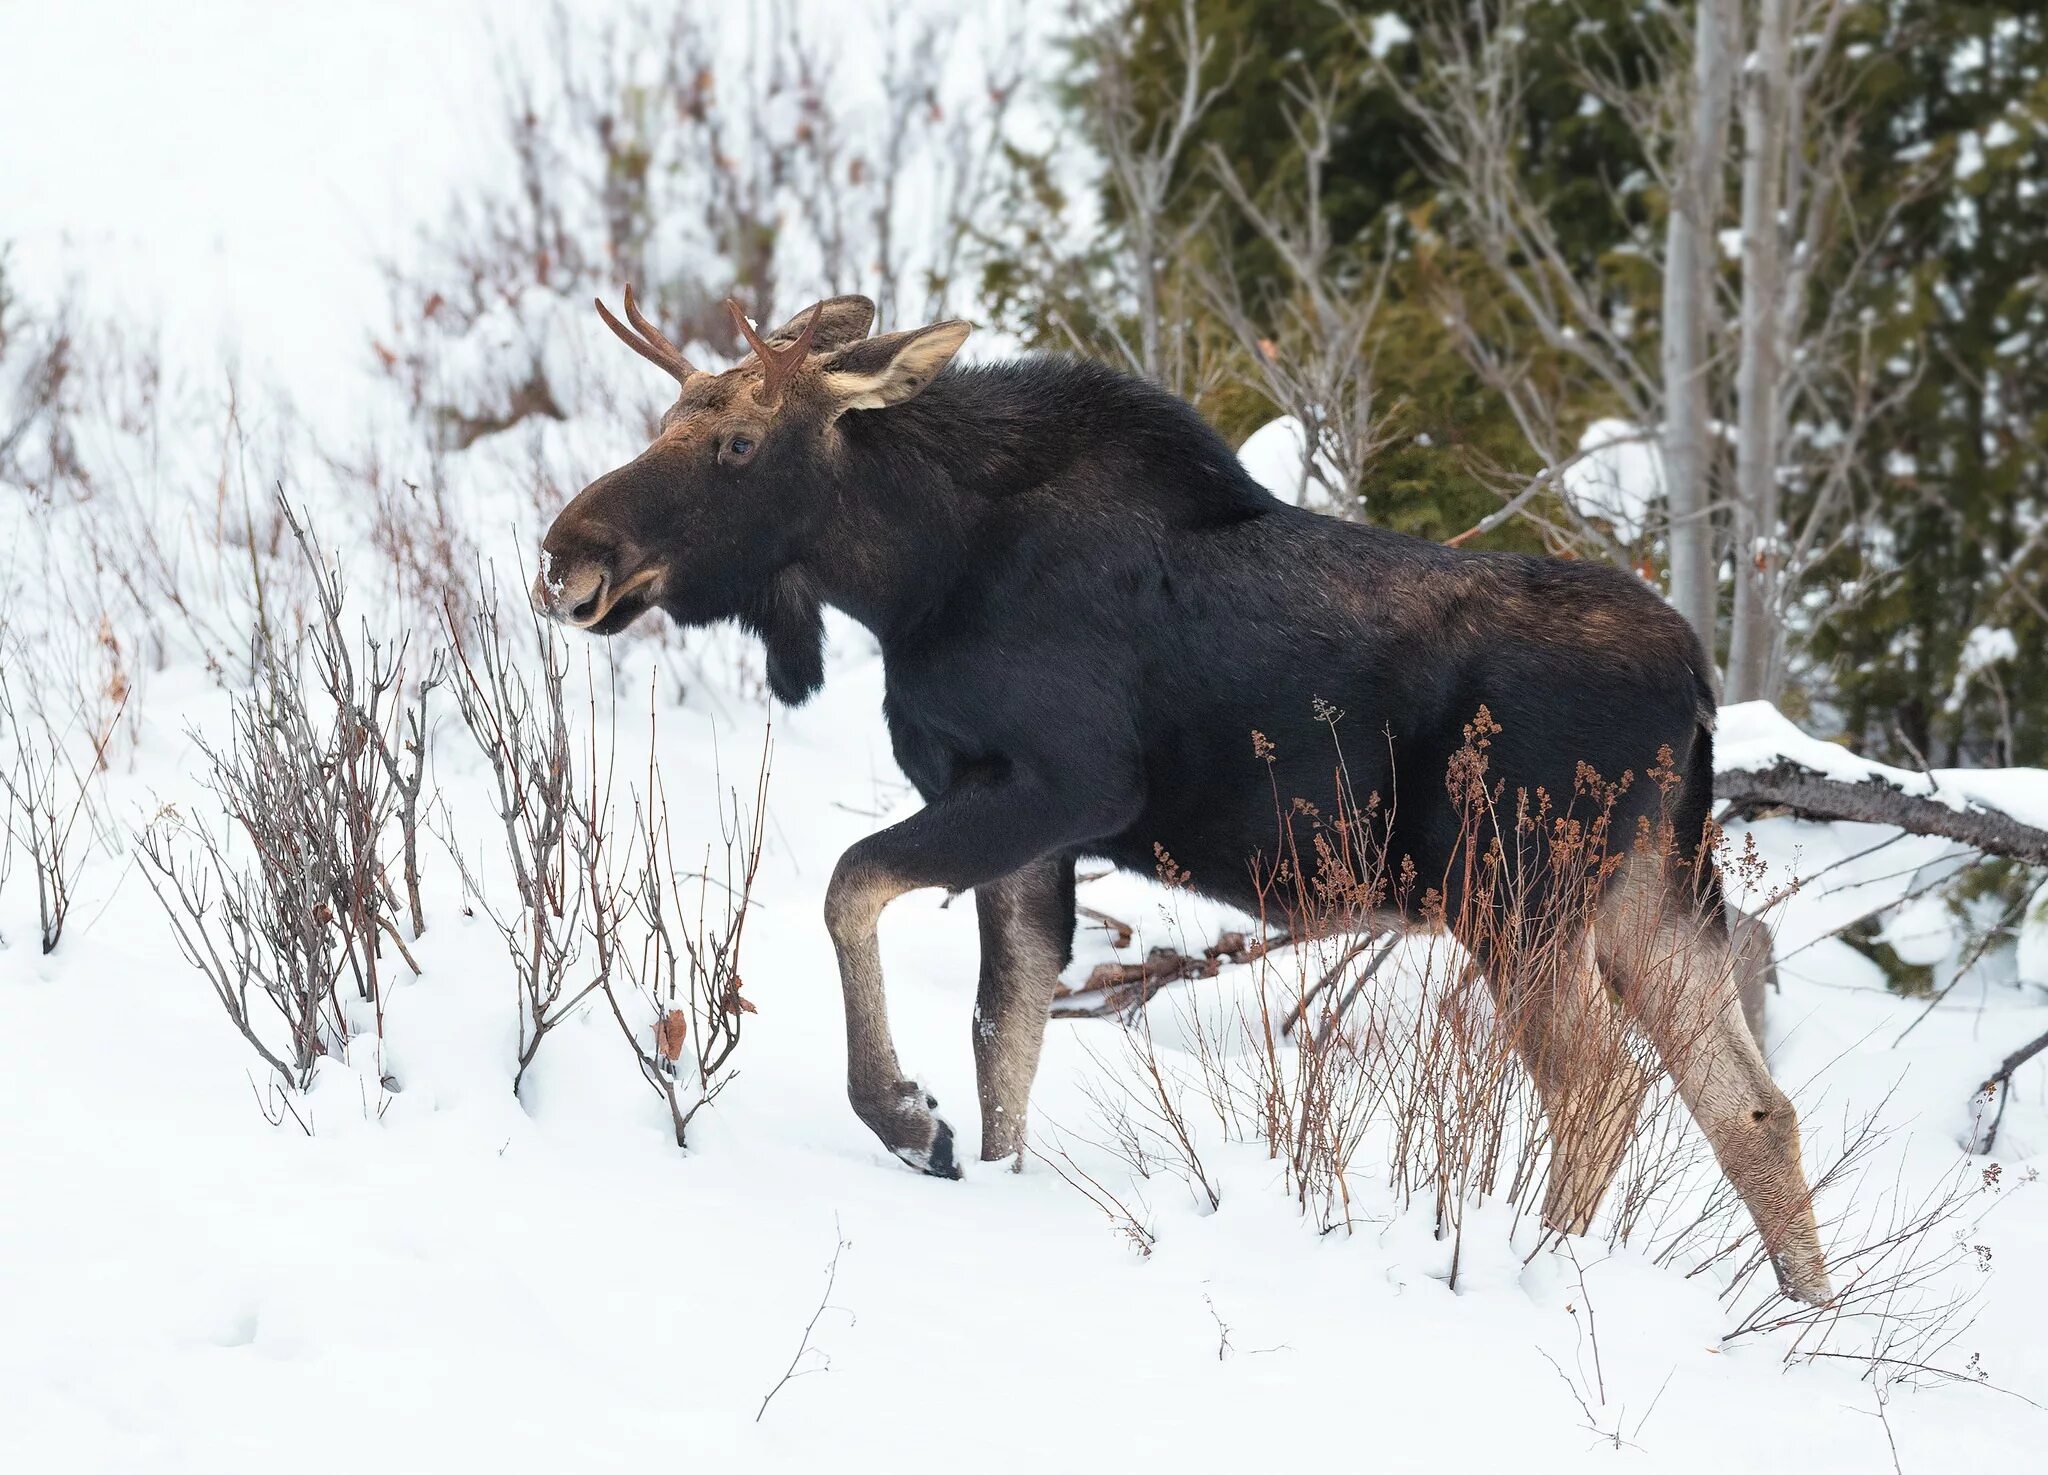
column 1901, row 1259
column 254, row 932
column 649, row 149
column 179, row 547
column 1348, row 1043
column 1132, row 1229
column 600, row 910
column 1429, row 1061
column 37, row 361
column 554, row 834
column 1428, row 1071
column 320, row 781
column 420, row 537
column 676, row 995
column 378, row 746
column 1144, row 1107
column 49, row 793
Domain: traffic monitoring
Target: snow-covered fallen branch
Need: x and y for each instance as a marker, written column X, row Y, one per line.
column 1788, row 788
column 1765, row 764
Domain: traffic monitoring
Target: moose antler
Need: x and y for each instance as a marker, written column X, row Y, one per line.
column 648, row 341
column 777, row 364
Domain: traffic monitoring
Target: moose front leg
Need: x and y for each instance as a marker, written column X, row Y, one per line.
column 1027, row 936
column 900, row 1112
column 974, row 834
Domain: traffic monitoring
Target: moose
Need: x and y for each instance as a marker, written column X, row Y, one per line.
column 1085, row 609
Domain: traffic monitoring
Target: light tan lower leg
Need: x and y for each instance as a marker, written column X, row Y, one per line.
column 1755, row 1135
column 1590, row 1131
column 1678, row 976
column 900, row 1112
column 1569, row 1036
column 1020, row 971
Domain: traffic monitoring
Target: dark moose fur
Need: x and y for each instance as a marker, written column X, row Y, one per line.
column 1078, row 590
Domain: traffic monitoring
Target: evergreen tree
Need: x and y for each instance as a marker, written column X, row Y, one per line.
column 1917, row 630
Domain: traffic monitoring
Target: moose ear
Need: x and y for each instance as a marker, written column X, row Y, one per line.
column 841, row 320
column 878, row 372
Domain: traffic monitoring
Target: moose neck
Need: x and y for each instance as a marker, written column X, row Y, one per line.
column 915, row 480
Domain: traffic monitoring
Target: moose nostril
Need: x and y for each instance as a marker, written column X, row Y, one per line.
column 592, row 604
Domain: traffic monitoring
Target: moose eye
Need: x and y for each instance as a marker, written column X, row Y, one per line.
column 738, row 447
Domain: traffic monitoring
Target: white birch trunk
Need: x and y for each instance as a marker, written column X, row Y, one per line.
column 1760, row 374
column 1689, row 270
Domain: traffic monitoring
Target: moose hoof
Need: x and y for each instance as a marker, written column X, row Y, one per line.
column 1806, row 1282
column 910, row 1126
column 937, row 1160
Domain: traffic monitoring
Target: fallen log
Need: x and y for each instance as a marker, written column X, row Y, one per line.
column 1790, row 788
column 1114, row 990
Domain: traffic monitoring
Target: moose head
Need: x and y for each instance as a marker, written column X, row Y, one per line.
column 712, row 521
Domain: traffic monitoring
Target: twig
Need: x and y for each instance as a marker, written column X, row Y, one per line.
column 1999, row 1083
column 1223, row 1347
column 790, row 1373
column 1115, row 925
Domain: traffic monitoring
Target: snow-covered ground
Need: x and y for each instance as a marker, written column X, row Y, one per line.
column 431, row 1273
column 451, row 1276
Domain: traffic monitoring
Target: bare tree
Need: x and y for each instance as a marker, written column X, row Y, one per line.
column 1690, row 261
column 1766, row 121
column 1147, row 147
column 1807, row 382
column 1470, row 110
column 1804, row 365
column 1310, row 342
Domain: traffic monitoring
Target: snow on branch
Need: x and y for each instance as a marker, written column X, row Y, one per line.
column 1763, row 762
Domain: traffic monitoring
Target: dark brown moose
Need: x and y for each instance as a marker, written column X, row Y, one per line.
column 1085, row 609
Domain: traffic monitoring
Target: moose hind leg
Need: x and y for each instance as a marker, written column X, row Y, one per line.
column 1568, row 1034
column 1755, row 1136
column 1027, row 931
column 1677, row 971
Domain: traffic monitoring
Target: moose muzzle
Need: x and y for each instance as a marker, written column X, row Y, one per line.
column 587, row 595
column 580, row 595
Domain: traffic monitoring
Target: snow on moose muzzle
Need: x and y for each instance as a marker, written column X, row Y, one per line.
column 586, row 596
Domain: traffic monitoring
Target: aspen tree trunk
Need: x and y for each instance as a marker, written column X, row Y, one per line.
column 1689, row 269
column 1760, row 374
